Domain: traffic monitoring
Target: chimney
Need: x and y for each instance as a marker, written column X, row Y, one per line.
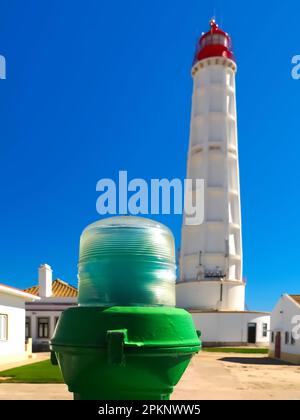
column 45, row 281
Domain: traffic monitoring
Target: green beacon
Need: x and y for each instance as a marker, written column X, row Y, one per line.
column 125, row 340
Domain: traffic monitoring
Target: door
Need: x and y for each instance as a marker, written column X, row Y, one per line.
column 251, row 333
column 278, row 345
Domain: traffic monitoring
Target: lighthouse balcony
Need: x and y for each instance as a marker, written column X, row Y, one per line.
column 216, row 274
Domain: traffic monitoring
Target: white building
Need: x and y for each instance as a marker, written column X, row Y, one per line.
column 42, row 316
column 12, row 323
column 211, row 281
column 285, row 329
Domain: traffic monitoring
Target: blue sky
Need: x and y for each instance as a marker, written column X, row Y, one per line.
column 94, row 87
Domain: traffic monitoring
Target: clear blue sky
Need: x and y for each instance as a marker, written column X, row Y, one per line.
column 94, row 87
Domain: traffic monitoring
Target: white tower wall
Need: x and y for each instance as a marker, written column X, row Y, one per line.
column 211, row 253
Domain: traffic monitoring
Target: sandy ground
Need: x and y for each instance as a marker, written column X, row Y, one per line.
column 209, row 376
column 229, row 376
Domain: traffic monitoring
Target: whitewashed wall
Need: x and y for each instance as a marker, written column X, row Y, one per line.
column 281, row 320
column 231, row 327
column 14, row 307
column 207, row 295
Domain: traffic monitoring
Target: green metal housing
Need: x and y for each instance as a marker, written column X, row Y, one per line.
column 124, row 353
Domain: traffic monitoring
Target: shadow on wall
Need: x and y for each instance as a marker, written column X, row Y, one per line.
column 255, row 361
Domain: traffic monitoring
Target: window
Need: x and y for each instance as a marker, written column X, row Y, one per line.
column 3, row 327
column 293, row 341
column 43, row 328
column 28, row 327
column 287, row 337
column 220, row 40
column 265, row 330
column 205, row 41
column 272, row 337
column 215, row 39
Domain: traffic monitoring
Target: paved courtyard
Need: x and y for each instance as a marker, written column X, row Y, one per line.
column 210, row 376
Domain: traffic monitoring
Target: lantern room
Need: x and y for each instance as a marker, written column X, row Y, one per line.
column 214, row 43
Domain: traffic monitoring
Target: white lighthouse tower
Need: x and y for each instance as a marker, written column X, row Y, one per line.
column 211, row 279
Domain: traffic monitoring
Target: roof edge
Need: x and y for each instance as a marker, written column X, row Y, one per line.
column 57, row 283
column 17, row 292
column 291, row 298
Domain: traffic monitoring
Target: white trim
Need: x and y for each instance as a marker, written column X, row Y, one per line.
column 17, row 292
column 214, row 61
column 292, row 300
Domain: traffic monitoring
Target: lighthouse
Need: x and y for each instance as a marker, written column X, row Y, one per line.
column 211, row 282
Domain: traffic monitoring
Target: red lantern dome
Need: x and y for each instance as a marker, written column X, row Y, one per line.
column 214, row 43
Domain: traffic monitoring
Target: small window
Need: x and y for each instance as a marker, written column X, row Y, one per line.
column 265, row 330
column 28, row 327
column 293, row 341
column 215, row 39
column 3, row 327
column 207, row 41
column 287, row 337
column 272, row 337
column 43, row 327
